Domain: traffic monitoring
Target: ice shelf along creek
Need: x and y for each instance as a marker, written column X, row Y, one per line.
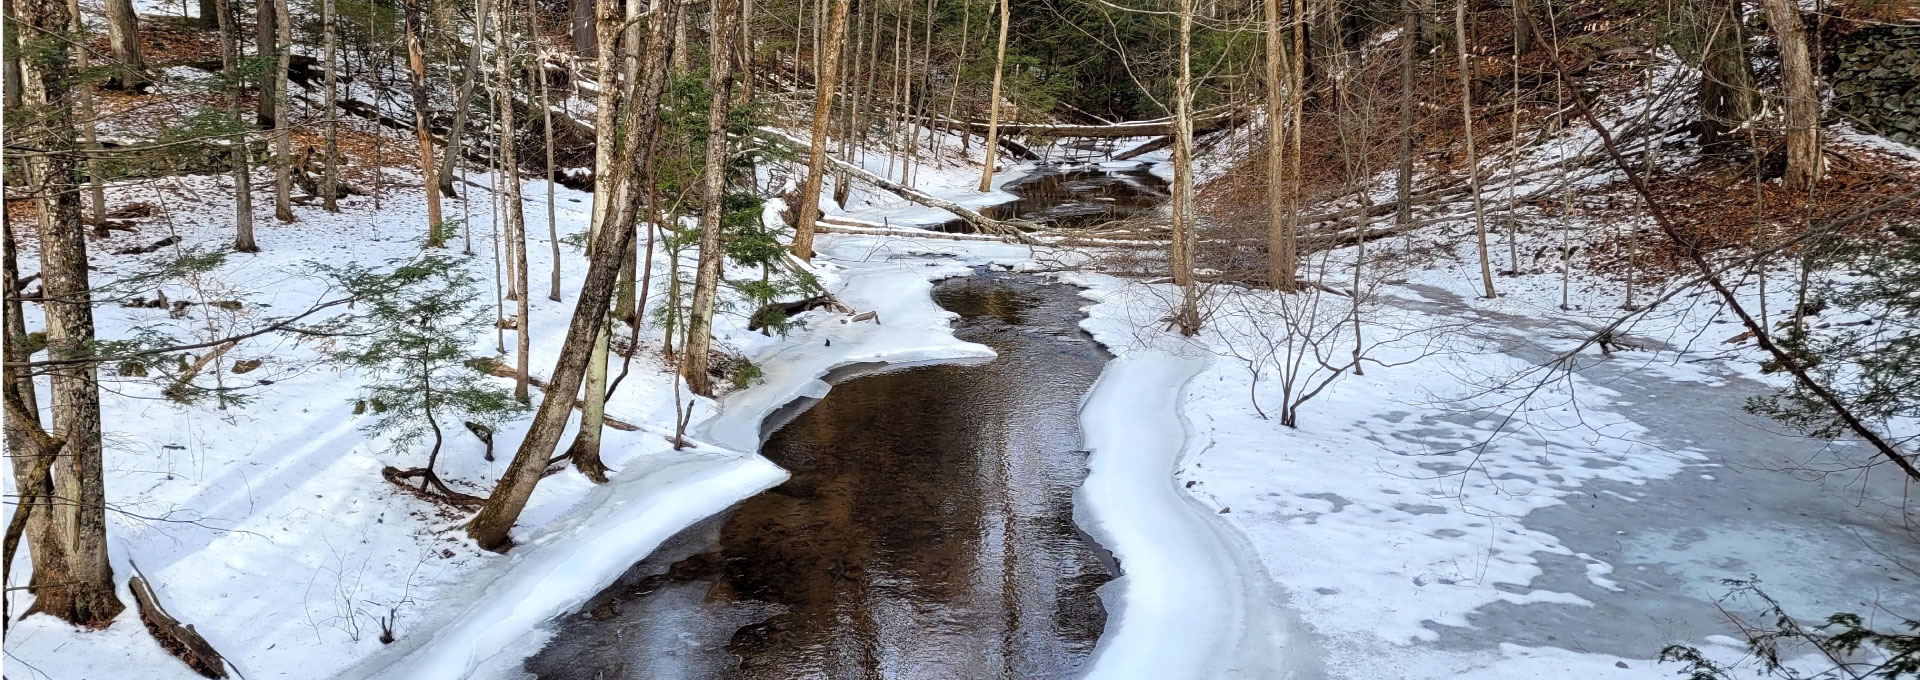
column 928, row 530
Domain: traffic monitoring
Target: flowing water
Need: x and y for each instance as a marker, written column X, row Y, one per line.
column 927, row 531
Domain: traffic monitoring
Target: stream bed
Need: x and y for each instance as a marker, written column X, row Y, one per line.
column 927, row 532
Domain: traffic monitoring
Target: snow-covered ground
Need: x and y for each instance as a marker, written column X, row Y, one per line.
column 1422, row 521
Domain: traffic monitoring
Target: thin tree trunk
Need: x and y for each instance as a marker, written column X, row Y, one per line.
column 330, row 181
column 538, row 71
column 1802, row 95
column 1188, row 318
column 822, row 108
column 993, row 102
column 516, row 218
column 265, row 35
column 1281, row 244
column 85, row 594
column 465, row 95
column 31, row 455
column 1409, row 45
column 237, row 144
column 960, row 62
column 282, row 128
column 417, row 63
column 490, row 528
column 707, row 279
column 123, row 34
column 1473, row 166
column 96, row 190
column 1728, row 95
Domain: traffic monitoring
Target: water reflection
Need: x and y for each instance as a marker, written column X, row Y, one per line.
column 927, row 531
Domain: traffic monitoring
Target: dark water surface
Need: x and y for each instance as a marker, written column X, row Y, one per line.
column 927, row 531
column 1077, row 195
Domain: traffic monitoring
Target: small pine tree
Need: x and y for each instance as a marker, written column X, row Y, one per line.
column 410, row 339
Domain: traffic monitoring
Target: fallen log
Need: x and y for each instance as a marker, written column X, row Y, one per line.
column 180, row 640
column 1015, row 229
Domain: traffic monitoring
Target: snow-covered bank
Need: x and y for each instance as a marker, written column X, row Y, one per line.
column 1191, row 600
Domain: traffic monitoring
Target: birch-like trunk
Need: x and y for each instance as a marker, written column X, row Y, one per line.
column 993, row 99
column 706, row 279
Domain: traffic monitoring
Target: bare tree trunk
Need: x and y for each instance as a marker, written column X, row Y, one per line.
column 1409, row 49
column 96, row 190
column 491, row 526
column 1802, row 95
column 1473, row 164
column 580, row 26
column 417, row 63
column 31, row 454
column 822, row 108
column 123, row 33
column 462, row 99
column 707, row 279
column 265, row 34
column 960, row 61
column 85, row 594
column 237, row 144
column 282, row 128
column 330, row 181
column 993, row 101
column 538, row 71
column 1281, row 244
column 1728, row 95
column 516, row 218
column 1188, row 318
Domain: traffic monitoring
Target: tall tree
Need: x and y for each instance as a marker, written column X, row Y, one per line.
column 96, row 189
column 515, row 217
column 238, row 155
column 822, row 110
column 712, row 254
column 1728, row 96
column 123, row 34
column 537, row 69
column 1281, row 244
column 1188, row 317
column 282, row 128
column 84, row 595
column 993, row 100
column 1802, row 95
column 417, row 76
column 265, row 34
column 1473, row 162
column 330, row 181
column 481, row 11
column 490, row 528
column 1409, row 50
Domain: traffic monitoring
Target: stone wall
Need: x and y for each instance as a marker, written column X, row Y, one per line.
column 1877, row 79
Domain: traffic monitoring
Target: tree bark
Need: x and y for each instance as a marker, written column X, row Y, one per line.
column 1802, row 95
column 822, row 108
column 706, row 279
column 460, row 101
column 1281, row 245
column 283, row 128
column 32, row 451
column 265, row 34
column 123, row 34
column 491, row 526
column 1188, row 317
column 1728, row 95
column 1409, row 50
column 330, row 181
column 538, row 71
column 993, row 101
column 1473, row 164
column 84, row 595
column 516, row 217
column 237, row 144
column 417, row 71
